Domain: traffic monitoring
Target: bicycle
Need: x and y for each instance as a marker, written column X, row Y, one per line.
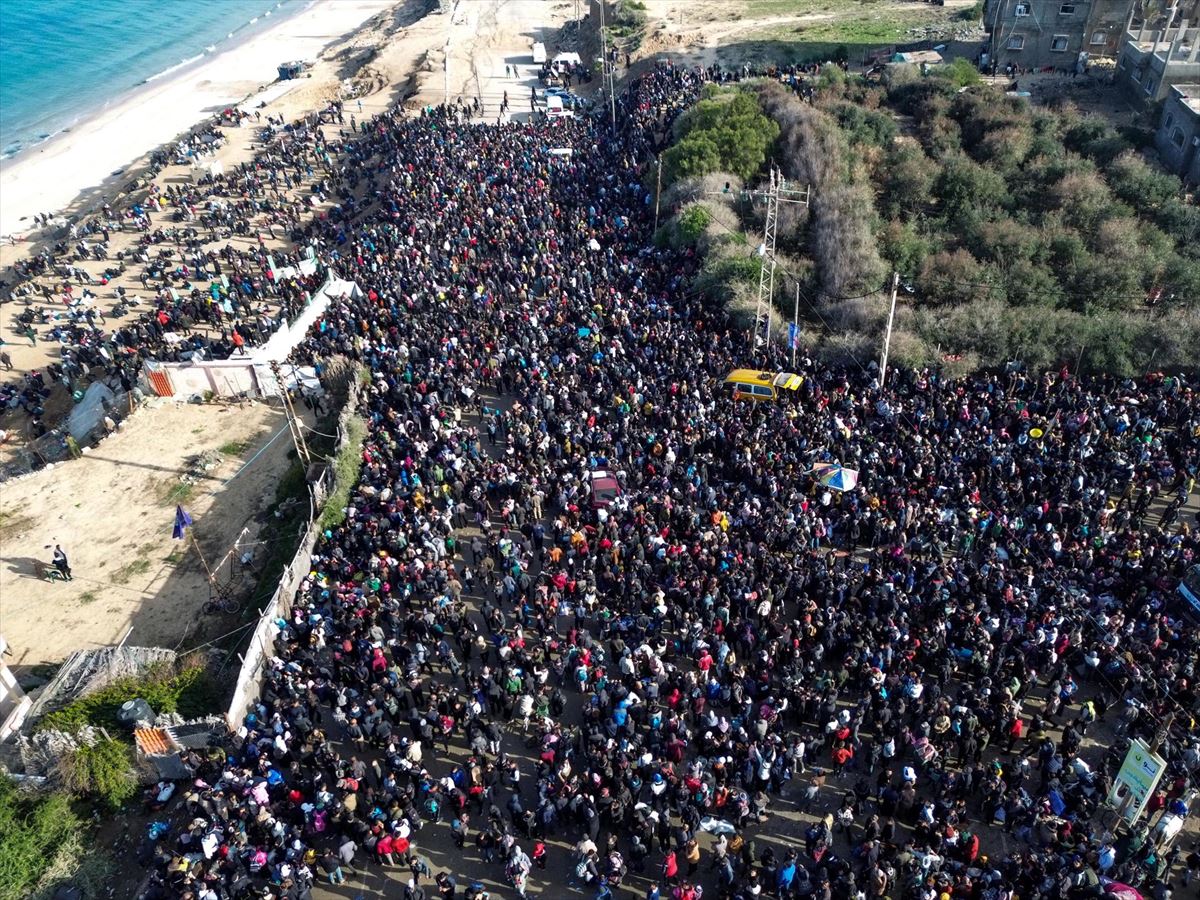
column 223, row 605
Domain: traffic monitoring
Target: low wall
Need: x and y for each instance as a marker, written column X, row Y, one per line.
column 249, row 373
column 262, row 642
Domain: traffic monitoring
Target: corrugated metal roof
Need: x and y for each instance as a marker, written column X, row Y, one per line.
column 154, row 741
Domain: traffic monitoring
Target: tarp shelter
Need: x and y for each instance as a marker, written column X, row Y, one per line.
column 290, row 70
column 918, row 57
column 206, row 167
column 90, row 411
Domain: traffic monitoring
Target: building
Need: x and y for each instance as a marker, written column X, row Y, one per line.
column 1056, row 34
column 14, row 705
column 1178, row 136
column 1155, row 59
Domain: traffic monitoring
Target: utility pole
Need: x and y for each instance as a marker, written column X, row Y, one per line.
column 295, row 426
column 612, row 96
column 887, row 338
column 657, row 192
column 777, row 192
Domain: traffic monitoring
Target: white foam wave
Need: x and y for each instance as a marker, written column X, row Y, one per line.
column 175, row 68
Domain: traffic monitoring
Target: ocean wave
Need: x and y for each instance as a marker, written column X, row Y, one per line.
column 175, row 68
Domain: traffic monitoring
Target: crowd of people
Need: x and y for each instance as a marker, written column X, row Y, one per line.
column 725, row 678
column 181, row 272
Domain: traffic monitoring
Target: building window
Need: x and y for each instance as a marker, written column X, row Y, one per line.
column 1177, row 137
column 1099, row 37
column 1059, row 43
column 1022, row 10
column 1149, row 85
column 1067, row 9
column 1170, row 120
column 1136, row 74
column 1016, row 42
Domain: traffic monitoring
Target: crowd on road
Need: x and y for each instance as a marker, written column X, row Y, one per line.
column 728, row 679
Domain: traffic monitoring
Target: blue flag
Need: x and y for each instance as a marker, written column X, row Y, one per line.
column 182, row 521
column 793, row 335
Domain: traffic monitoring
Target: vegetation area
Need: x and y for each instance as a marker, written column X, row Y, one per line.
column 187, row 689
column 42, row 845
column 626, row 23
column 803, row 31
column 1020, row 232
column 346, row 466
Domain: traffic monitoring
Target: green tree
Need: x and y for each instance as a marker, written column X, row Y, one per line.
column 903, row 247
column 965, row 186
column 1143, row 188
column 952, row 276
column 693, row 156
column 906, row 177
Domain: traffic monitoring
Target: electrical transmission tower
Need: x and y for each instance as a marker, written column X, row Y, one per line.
column 777, row 192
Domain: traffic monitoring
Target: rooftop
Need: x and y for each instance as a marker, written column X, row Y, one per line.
column 1190, row 95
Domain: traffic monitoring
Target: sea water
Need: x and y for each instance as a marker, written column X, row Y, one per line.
column 62, row 61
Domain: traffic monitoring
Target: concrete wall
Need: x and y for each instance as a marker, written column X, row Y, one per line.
column 1053, row 33
column 262, row 643
column 1179, row 131
column 14, row 705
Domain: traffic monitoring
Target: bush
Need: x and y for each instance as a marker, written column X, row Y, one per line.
column 866, row 126
column 961, row 72
column 346, row 467
column 692, row 224
column 191, row 692
column 32, row 828
column 727, row 133
column 102, row 771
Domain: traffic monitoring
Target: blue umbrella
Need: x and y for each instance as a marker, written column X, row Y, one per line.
column 839, row 478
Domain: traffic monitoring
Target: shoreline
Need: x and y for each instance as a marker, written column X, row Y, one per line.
column 62, row 173
column 57, row 125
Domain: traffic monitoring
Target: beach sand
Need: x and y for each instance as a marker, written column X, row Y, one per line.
column 50, row 177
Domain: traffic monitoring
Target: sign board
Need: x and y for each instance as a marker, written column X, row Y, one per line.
column 1135, row 783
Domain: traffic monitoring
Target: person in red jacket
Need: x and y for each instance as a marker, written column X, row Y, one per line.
column 384, row 849
column 670, row 867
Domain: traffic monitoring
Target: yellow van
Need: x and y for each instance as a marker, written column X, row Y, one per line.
column 750, row 384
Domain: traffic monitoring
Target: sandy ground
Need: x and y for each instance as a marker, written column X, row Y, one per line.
column 112, row 514
column 702, row 31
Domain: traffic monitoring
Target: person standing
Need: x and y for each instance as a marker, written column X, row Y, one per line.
column 61, row 563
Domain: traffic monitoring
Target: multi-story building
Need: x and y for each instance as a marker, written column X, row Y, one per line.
column 1155, row 59
column 1054, row 34
column 1178, row 136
